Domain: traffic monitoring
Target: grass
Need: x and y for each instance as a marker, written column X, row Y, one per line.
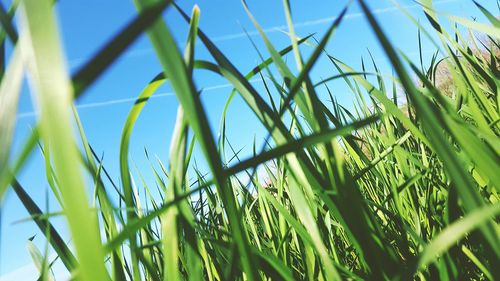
column 380, row 192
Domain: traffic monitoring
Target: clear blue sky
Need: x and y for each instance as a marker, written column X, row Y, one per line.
column 87, row 25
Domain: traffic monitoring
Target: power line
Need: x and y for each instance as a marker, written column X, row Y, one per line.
column 279, row 28
column 234, row 36
column 133, row 99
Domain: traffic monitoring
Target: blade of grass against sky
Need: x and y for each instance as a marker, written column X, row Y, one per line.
column 10, row 89
column 41, row 48
column 183, row 85
column 160, row 79
column 171, row 226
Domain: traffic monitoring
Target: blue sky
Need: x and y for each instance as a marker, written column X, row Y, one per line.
column 87, row 25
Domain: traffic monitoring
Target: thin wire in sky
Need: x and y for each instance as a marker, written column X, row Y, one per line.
column 320, row 21
column 234, row 36
column 133, row 99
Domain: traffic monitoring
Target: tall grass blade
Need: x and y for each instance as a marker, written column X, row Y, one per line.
column 41, row 48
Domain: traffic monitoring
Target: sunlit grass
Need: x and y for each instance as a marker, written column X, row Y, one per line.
column 380, row 191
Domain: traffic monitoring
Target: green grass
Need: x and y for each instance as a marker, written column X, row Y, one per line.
column 379, row 192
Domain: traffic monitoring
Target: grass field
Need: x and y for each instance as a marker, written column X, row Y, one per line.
column 394, row 189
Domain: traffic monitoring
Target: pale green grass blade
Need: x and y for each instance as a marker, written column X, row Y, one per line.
column 26, row 151
column 39, row 260
column 41, row 48
column 454, row 232
column 492, row 31
column 469, row 195
column 171, row 226
column 131, row 214
column 10, row 89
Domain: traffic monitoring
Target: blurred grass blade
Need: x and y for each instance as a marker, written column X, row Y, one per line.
column 488, row 15
column 469, row 195
column 492, row 31
column 6, row 22
column 115, row 47
column 10, row 89
column 41, row 49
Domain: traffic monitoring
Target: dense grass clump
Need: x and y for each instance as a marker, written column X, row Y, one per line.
column 393, row 189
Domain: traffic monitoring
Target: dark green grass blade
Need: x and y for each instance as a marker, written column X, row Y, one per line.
column 6, row 22
column 92, row 69
column 292, row 146
column 59, row 245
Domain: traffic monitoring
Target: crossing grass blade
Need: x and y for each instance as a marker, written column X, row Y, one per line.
column 6, row 17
